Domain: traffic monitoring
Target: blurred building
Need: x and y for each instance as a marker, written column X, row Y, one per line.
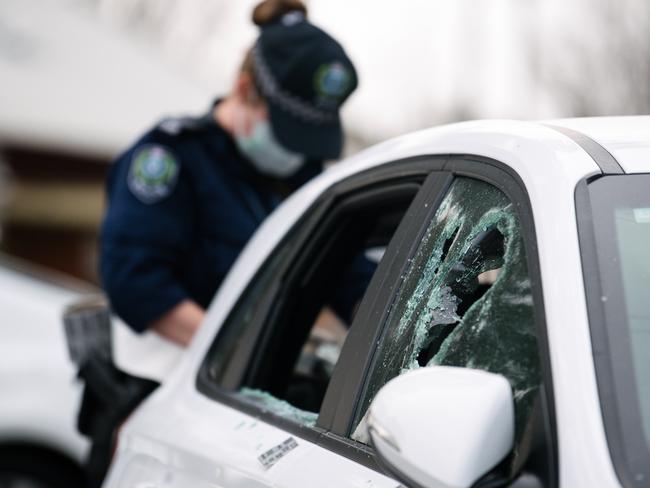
column 81, row 78
column 73, row 94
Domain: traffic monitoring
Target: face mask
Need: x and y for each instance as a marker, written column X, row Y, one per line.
column 266, row 154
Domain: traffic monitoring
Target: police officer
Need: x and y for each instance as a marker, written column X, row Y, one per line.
column 187, row 196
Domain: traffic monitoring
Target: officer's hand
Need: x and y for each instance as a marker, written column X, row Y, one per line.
column 180, row 323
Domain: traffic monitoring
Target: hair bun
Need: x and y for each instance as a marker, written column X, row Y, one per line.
column 270, row 11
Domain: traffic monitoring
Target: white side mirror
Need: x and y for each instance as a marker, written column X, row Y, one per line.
column 443, row 427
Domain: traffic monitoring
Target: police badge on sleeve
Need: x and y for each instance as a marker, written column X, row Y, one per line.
column 153, row 173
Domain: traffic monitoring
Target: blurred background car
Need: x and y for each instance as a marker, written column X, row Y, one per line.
column 39, row 444
column 40, row 394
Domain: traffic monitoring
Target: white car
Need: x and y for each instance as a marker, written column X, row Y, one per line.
column 503, row 340
column 40, row 446
column 39, row 397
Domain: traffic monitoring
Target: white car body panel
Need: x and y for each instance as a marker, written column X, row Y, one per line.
column 40, row 396
column 190, row 450
column 178, row 427
column 627, row 140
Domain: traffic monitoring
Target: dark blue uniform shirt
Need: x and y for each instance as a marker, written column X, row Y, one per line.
column 183, row 202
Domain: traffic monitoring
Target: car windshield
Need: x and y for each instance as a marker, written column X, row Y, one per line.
column 619, row 311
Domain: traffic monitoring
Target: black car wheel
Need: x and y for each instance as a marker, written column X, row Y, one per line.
column 24, row 466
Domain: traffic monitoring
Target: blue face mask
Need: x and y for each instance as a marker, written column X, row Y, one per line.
column 266, row 154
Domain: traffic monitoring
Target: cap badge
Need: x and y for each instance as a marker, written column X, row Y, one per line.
column 332, row 82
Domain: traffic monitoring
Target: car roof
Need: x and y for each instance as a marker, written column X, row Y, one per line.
column 626, row 138
column 527, row 147
column 535, row 148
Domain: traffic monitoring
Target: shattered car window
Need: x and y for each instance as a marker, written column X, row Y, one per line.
column 465, row 300
column 278, row 407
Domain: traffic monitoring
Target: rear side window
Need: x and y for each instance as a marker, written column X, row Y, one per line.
column 465, row 301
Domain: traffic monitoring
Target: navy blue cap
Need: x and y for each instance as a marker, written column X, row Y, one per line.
column 305, row 76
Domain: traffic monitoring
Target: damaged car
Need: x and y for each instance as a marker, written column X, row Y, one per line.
column 502, row 340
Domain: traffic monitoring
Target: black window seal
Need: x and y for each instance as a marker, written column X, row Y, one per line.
column 608, row 398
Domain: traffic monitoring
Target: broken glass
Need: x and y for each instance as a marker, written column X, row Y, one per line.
column 465, row 300
column 269, row 403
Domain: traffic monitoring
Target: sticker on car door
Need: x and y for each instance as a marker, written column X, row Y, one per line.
column 273, row 455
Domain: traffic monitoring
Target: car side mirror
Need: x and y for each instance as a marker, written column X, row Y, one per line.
column 441, row 426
